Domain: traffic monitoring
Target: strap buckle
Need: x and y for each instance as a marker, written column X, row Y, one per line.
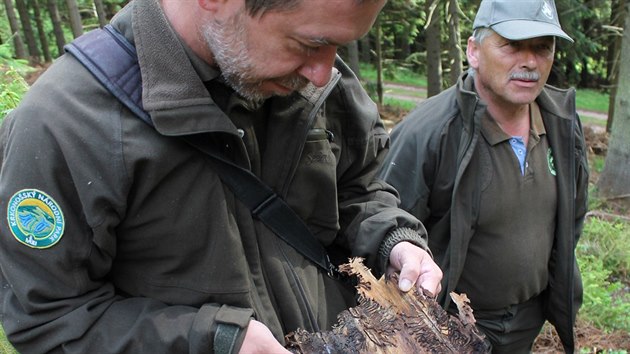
column 333, row 270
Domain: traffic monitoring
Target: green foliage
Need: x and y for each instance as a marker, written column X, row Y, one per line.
column 597, row 163
column 603, row 255
column 609, row 242
column 5, row 346
column 12, row 85
column 605, row 304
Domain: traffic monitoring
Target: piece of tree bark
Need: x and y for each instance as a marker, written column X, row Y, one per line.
column 390, row 321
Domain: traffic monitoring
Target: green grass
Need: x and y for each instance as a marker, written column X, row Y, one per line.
column 5, row 346
column 401, row 76
column 592, row 120
column 592, row 100
column 603, row 255
column 405, row 90
column 399, row 104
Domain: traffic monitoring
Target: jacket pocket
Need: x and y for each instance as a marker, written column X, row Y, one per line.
column 313, row 190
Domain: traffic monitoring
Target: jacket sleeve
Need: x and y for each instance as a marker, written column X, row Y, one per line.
column 55, row 256
column 581, row 179
column 420, row 163
column 369, row 215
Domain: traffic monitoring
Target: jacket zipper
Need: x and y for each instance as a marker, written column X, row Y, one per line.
column 310, row 120
column 310, row 314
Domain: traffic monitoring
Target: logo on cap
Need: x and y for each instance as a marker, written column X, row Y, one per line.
column 35, row 219
column 547, row 10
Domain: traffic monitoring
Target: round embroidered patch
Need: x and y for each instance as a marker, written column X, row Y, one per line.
column 35, row 218
column 551, row 163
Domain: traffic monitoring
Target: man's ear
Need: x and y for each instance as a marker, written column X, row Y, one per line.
column 472, row 53
column 211, row 5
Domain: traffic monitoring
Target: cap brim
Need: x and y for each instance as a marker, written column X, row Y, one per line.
column 524, row 29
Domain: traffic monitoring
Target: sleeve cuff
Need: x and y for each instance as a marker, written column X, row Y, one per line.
column 231, row 328
column 417, row 237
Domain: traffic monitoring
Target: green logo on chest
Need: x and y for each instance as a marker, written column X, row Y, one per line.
column 550, row 162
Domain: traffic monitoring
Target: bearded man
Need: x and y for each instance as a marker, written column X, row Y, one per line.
column 121, row 237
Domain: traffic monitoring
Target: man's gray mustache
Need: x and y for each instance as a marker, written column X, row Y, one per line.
column 525, row 75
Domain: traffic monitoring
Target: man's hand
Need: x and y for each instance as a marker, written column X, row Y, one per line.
column 258, row 339
column 416, row 267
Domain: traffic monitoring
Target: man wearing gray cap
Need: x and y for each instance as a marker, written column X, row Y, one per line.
column 495, row 168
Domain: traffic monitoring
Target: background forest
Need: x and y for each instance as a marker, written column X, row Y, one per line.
column 422, row 43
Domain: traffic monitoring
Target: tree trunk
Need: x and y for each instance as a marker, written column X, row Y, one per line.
column 379, row 61
column 353, row 57
column 29, row 35
column 614, row 47
column 75, row 18
column 100, row 12
column 43, row 40
column 53, row 10
column 455, row 42
column 402, row 41
column 434, row 60
column 18, row 44
column 613, row 181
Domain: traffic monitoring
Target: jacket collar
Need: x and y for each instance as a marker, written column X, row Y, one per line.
column 173, row 89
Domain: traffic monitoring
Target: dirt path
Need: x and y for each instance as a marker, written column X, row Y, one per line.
column 418, row 94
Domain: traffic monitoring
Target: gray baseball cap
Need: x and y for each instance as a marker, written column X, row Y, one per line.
column 520, row 19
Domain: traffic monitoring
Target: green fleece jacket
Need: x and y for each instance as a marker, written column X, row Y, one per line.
column 119, row 237
column 431, row 165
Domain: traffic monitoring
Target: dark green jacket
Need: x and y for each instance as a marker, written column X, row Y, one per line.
column 431, row 164
column 155, row 252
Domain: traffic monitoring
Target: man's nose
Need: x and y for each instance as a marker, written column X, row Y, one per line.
column 318, row 66
column 528, row 57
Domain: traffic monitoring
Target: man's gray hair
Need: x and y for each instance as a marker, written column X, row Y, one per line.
column 481, row 33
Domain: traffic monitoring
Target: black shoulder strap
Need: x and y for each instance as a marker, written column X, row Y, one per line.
column 113, row 61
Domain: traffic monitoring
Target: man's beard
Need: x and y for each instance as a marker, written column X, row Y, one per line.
column 228, row 44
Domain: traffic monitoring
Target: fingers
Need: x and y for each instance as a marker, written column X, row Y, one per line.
column 258, row 339
column 430, row 278
column 416, row 267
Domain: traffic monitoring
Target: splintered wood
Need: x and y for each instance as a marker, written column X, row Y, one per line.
column 387, row 320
